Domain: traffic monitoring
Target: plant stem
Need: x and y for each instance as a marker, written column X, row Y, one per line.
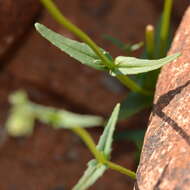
column 85, row 136
column 52, row 117
column 60, row 18
column 133, row 86
column 121, row 169
column 165, row 25
column 44, row 115
column 149, row 35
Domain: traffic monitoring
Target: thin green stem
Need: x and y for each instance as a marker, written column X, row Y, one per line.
column 87, row 139
column 149, row 37
column 85, row 136
column 60, row 18
column 133, row 86
column 165, row 25
column 121, row 169
column 52, row 117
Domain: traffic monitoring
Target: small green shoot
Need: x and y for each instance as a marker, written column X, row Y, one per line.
column 165, row 27
column 60, row 18
column 24, row 112
column 95, row 169
column 149, row 41
column 76, row 123
column 122, row 65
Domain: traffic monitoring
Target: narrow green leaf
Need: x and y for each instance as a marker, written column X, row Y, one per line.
column 126, row 62
column 65, row 119
column 79, row 51
column 133, row 104
column 115, row 41
column 130, row 65
column 72, row 119
column 136, row 46
column 106, row 139
column 94, row 171
column 127, row 48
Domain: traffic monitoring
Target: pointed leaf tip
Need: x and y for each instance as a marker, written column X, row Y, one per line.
column 37, row 25
column 117, row 107
column 95, row 170
column 105, row 142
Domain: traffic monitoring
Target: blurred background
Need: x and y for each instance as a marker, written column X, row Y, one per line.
column 55, row 160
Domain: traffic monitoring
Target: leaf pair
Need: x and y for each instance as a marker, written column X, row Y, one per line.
column 95, row 169
column 84, row 54
column 24, row 113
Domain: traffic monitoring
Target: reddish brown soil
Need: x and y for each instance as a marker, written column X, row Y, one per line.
column 54, row 160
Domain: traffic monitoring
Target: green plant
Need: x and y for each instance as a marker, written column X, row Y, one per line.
column 61, row 119
column 90, row 54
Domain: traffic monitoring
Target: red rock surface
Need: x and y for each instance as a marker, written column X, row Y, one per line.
column 165, row 160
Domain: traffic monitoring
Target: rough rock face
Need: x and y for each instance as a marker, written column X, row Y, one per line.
column 15, row 17
column 165, row 160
